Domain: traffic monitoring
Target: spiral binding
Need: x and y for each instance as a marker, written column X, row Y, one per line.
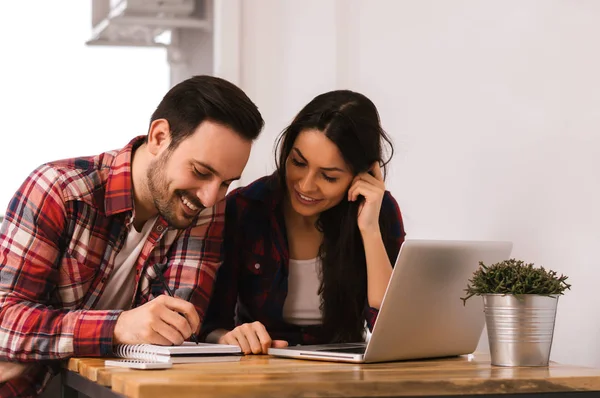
column 138, row 351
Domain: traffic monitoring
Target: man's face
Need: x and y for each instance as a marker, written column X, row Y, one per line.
column 196, row 174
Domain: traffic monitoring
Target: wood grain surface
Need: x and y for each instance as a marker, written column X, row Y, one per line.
column 261, row 376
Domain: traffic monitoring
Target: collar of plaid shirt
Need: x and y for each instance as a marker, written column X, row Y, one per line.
column 118, row 196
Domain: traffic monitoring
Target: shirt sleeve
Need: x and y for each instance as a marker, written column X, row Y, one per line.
column 221, row 310
column 196, row 256
column 30, row 252
column 393, row 234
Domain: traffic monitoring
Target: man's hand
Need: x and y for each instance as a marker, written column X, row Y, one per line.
column 10, row 370
column 163, row 321
column 252, row 338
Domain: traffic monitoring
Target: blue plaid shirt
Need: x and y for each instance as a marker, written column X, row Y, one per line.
column 252, row 283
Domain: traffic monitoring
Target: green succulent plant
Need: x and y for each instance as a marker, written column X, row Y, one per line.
column 515, row 277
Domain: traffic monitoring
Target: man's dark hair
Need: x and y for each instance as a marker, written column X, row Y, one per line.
column 201, row 98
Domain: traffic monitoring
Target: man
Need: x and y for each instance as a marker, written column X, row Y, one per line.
column 81, row 237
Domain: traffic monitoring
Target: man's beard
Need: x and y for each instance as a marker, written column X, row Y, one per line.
column 167, row 203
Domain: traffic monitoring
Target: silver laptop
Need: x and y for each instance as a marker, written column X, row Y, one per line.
column 422, row 315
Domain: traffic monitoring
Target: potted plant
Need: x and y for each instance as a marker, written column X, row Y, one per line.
column 519, row 302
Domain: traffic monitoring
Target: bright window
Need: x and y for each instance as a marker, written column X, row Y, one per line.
column 60, row 98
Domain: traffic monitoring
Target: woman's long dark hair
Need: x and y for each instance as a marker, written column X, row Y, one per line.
column 351, row 121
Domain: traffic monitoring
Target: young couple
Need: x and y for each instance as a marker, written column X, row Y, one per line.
column 305, row 254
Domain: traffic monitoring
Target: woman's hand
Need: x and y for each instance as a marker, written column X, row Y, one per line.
column 252, row 338
column 372, row 188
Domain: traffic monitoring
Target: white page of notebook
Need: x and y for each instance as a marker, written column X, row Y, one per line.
column 188, row 348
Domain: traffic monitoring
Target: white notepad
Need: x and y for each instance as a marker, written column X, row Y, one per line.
column 188, row 352
column 137, row 364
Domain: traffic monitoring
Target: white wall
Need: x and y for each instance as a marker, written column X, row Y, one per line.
column 286, row 59
column 191, row 52
column 494, row 108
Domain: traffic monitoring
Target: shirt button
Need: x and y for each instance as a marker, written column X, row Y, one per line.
column 257, row 266
column 159, row 228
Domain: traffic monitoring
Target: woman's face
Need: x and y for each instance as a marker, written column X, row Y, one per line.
column 317, row 176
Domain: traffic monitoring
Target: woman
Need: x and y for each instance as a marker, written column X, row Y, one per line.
column 309, row 250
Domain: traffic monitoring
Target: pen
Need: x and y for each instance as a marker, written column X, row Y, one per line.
column 169, row 292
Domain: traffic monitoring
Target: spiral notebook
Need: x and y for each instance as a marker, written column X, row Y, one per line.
column 137, row 364
column 188, row 352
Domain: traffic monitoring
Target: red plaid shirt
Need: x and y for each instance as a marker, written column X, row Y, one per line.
column 58, row 242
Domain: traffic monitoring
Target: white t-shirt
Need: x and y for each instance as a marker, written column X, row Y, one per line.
column 118, row 293
column 302, row 303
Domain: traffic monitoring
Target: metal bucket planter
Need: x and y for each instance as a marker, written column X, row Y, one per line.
column 520, row 328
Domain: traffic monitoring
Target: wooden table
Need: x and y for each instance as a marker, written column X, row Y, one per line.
column 265, row 376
